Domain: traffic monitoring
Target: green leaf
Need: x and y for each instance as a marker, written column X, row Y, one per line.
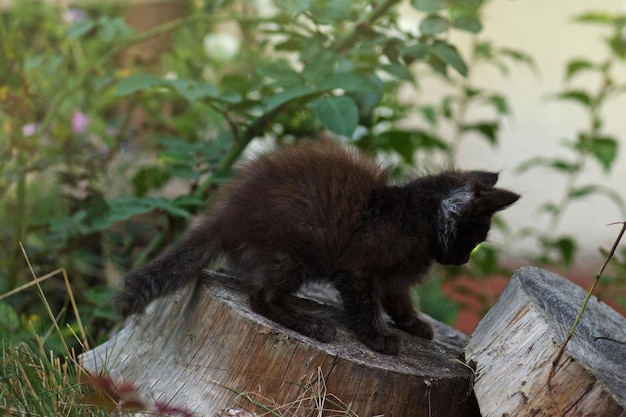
column 429, row 6
column 193, row 91
column 405, row 142
column 432, row 300
column 468, row 23
column 586, row 190
column 285, row 96
column 597, row 17
column 604, row 149
column 433, row 24
column 583, row 191
column 500, row 103
column 80, row 28
column 448, row 54
column 398, row 71
column 414, row 52
column 429, row 113
column 559, row 165
column 148, row 179
column 98, row 208
column 338, row 114
column 111, row 29
column 618, row 44
column 485, row 258
column 137, row 82
column 576, row 66
column 578, row 96
column 489, row 130
column 352, row 82
column 281, row 72
column 398, row 141
column 549, row 208
column 367, row 102
column 518, row 57
column 125, row 207
column 9, row 319
column 188, row 201
column 565, row 246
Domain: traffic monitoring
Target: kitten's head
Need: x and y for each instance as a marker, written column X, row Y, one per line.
column 465, row 212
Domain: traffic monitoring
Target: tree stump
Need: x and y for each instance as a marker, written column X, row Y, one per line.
column 205, row 350
column 515, row 344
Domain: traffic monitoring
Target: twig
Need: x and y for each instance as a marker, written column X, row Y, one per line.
column 556, row 360
column 376, row 13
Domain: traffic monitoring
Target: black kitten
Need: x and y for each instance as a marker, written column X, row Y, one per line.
column 316, row 211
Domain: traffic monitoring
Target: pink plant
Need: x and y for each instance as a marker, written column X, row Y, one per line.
column 125, row 398
column 80, row 122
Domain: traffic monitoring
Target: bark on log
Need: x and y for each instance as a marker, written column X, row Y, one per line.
column 205, row 350
column 514, row 346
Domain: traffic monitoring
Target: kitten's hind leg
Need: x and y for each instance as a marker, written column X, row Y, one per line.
column 271, row 295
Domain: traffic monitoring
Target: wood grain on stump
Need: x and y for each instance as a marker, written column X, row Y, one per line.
column 515, row 344
column 205, row 350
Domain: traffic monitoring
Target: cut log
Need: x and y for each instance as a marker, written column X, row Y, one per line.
column 513, row 348
column 205, row 350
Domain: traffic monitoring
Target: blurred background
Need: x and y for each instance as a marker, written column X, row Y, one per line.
column 120, row 120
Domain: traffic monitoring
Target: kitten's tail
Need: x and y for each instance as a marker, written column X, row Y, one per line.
column 179, row 266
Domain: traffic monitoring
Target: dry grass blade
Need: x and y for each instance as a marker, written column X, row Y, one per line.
column 570, row 334
column 313, row 401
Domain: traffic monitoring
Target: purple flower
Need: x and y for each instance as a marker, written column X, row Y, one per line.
column 30, row 129
column 73, row 15
column 80, row 122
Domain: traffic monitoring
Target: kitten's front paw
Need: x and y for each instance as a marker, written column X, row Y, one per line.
column 387, row 343
column 418, row 328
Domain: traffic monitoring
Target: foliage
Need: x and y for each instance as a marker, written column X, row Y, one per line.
column 69, row 113
column 94, row 134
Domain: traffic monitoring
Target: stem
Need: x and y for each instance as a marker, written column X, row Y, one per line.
column 256, row 128
column 556, row 360
column 594, row 131
column 20, row 213
column 184, row 22
column 351, row 37
column 258, row 125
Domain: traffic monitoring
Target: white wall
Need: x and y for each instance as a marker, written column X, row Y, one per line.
column 546, row 31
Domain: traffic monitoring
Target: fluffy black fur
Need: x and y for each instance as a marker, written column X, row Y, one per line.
column 317, row 211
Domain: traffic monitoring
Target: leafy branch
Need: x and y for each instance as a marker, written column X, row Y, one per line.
column 590, row 144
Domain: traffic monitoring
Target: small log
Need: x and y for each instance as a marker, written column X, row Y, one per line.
column 516, row 343
column 205, row 350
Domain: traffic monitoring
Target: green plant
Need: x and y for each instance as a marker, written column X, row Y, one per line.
column 90, row 139
column 590, row 145
column 41, row 373
column 68, row 112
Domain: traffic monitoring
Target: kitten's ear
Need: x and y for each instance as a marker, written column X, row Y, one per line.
column 451, row 209
column 485, row 177
column 495, row 200
column 456, row 201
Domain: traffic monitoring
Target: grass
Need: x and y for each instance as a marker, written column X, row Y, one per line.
column 35, row 384
column 35, row 381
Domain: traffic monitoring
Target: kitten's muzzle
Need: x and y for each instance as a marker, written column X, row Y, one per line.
column 457, row 260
